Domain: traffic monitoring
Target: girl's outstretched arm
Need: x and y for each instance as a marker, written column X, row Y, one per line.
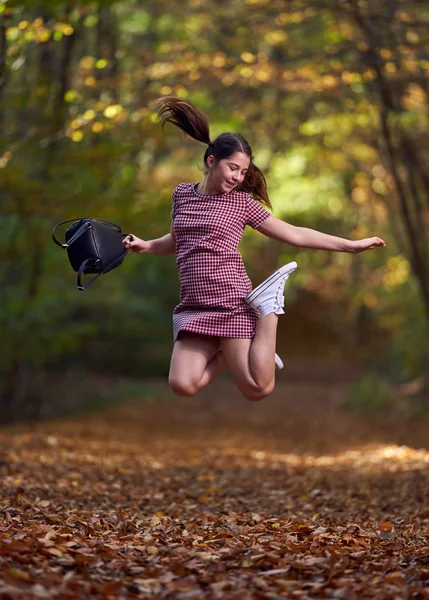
column 302, row 237
column 163, row 245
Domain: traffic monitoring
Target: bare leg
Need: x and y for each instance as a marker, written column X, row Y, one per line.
column 263, row 349
column 196, row 360
column 214, row 368
column 251, row 361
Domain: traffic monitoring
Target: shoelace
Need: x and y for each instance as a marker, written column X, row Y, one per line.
column 280, row 298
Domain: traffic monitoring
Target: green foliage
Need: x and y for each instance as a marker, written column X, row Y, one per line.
column 368, row 396
column 408, row 354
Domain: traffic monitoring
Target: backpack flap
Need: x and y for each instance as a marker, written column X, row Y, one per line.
column 108, row 243
column 86, row 249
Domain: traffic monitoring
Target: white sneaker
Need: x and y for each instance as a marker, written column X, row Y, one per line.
column 268, row 297
column 279, row 362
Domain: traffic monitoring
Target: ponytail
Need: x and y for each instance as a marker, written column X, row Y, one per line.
column 255, row 184
column 184, row 115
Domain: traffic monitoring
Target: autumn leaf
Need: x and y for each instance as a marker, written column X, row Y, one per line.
column 344, row 532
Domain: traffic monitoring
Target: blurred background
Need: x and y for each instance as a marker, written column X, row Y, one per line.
column 333, row 97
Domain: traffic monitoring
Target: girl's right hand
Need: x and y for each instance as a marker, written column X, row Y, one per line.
column 135, row 244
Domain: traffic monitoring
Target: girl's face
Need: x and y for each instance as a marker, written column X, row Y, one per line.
column 229, row 172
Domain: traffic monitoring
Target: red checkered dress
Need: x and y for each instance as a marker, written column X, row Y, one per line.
column 213, row 280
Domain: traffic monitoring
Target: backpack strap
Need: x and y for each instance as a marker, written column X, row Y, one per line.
column 81, row 272
column 66, row 245
column 77, row 234
column 117, row 260
column 80, row 231
column 82, row 267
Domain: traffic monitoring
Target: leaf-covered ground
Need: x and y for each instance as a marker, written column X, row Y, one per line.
column 215, row 497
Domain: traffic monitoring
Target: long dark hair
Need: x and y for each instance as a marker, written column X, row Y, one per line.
column 189, row 119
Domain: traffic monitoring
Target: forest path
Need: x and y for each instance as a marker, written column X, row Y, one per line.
column 216, row 497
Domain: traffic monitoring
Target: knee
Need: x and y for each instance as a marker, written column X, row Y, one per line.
column 182, row 387
column 256, row 393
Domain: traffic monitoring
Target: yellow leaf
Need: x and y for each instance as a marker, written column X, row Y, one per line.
column 274, row 38
column 247, row 57
column 219, row 60
column 112, row 111
column 18, row 574
column 77, row 136
column 67, row 29
column 70, row 96
column 87, row 62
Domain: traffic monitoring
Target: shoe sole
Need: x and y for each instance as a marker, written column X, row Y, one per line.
column 285, row 270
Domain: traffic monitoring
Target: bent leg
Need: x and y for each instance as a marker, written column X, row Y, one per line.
column 195, row 362
column 251, row 361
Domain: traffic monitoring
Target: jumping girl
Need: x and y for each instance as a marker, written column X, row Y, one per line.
column 220, row 323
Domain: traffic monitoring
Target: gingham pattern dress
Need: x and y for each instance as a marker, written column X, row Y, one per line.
column 213, row 279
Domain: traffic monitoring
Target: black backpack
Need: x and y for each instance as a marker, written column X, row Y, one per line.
column 93, row 246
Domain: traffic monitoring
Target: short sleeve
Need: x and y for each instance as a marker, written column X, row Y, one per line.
column 255, row 214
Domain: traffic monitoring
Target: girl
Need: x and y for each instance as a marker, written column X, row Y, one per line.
column 219, row 322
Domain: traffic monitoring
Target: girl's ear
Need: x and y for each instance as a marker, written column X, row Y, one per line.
column 211, row 161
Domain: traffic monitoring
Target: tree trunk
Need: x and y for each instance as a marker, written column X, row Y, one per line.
column 106, row 48
column 3, row 68
column 408, row 203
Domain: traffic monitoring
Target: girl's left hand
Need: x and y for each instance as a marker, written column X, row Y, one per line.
column 367, row 244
